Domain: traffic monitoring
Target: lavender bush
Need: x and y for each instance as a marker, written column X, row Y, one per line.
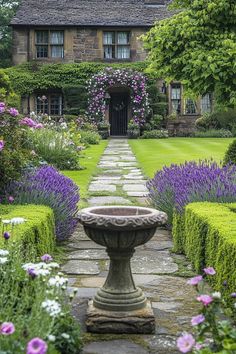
column 47, row 186
column 174, row 187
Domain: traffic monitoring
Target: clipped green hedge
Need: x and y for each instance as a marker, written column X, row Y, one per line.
column 36, row 235
column 206, row 233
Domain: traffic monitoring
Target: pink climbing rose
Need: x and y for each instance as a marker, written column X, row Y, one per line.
column 205, row 299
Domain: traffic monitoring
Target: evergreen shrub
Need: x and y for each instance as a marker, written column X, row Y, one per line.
column 230, row 155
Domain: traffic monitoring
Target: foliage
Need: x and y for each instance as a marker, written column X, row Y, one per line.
column 225, row 119
column 100, row 83
column 174, row 187
column 46, row 186
column 26, row 292
column 206, row 233
column 230, row 155
column 89, row 137
column 7, row 11
column 214, row 327
column 35, row 236
column 13, row 153
column 76, row 98
column 155, row 134
column 197, row 46
column 214, row 133
column 206, row 122
column 55, row 147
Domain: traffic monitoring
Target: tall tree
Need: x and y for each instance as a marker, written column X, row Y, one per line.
column 7, row 11
column 197, row 46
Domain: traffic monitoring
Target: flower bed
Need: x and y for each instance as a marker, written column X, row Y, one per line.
column 35, row 235
column 207, row 235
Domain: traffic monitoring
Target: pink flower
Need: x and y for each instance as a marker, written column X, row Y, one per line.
column 11, row 199
column 37, row 346
column 195, row 280
column 46, row 258
column 196, row 320
column 7, row 328
column 185, row 343
column 209, row 271
column 39, row 126
column 2, row 109
column 198, row 346
column 2, row 104
column 1, row 145
column 205, row 299
column 13, row 112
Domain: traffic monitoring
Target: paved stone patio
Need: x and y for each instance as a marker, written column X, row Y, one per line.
column 160, row 273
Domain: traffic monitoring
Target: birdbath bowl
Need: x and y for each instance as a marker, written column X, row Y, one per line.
column 120, row 229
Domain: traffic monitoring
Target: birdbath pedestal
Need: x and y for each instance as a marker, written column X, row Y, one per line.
column 119, row 306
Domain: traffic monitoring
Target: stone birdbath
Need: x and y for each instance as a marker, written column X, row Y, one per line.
column 120, row 229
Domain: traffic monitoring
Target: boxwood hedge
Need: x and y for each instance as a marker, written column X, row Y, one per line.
column 36, row 236
column 206, row 233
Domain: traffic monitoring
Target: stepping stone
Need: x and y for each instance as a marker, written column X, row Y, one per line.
column 162, row 344
column 85, row 245
column 89, row 254
column 109, row 200
column 137, row 194
column 126, row 164
column 102, row 188
column 159, row 245
column 153, row 262
column 118, row 346
column 75, row 267
column 107, row 177
column 135, row 188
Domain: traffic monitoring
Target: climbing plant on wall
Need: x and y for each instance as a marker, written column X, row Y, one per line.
column 99, row 84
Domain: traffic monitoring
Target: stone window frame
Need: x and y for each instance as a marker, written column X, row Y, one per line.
column 48, row 44
column 48, row 106
column 115, row 45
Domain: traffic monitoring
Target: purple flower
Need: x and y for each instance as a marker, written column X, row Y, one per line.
column 2, row 104
column 233, row 295
column 205, row 299
column 28, row 122
column 39, row 126
column 13, row 112
column 6, row 235
column 195, row 280
column 11, row 199
column 37, row 346
column 32, row 273
column 196, row 320
column 209, row 271
column 7, row 328
column 185, row 343
column 46, row 258
column 1, row 145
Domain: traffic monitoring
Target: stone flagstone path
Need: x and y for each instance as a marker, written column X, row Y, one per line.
column 161, row 274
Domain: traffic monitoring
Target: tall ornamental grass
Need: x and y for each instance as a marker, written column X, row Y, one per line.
column 46, row 186
column 174, row 187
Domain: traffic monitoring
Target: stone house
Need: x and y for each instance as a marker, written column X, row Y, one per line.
column 75, row 31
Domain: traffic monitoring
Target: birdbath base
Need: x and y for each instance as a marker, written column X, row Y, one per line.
column 119, row 322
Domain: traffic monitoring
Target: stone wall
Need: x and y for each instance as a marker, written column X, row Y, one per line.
column 182, row 126
column 20, row 46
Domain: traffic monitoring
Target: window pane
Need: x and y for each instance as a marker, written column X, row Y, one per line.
column 123, row 37
column 56, row 105
column 206, row 103
column 57, row 37
column 175, row 92
column 190, row 106
column 123, row 52
column 41, row 106
column 57, row 51
column 176, row 106
column 108, row 38
column 41, row 37
column 42, row 51
column 108, row 52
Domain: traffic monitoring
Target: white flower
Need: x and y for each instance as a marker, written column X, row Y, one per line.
column 51, row 338
column 57, row 281
column 53, row 265
column 52, row 307
column 4, row 253
column 6, row 221
column 3, row 260
column 65, row 335
column 17, row 221
column 216, row 295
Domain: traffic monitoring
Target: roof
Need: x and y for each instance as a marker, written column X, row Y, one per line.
column 139, row 13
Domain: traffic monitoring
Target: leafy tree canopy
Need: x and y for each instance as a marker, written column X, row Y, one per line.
column 7, row 11
column 197, row 46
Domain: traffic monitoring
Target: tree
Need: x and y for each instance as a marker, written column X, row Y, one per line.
column 7, row 11
column 197, row 46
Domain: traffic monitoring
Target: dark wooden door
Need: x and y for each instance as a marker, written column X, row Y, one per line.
column 119, row 114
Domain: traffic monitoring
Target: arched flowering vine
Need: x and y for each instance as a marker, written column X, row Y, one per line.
column 99, row 84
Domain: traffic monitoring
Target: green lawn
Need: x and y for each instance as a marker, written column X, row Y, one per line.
column 154, row 154
column 89, row 159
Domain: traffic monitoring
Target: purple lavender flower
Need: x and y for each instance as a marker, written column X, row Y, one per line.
column 6, row 235
column 32, row 273
column 1, row 145
column 233, row 295
column 13, row 112
column 46, row 258
column 7, row 328
column 37, row 346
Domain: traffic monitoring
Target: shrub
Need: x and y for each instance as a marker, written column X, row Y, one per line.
column 155, row 134
column 208, row 237
column 207, row 122
column 46, row 186
column 55, row 148
column 89, row 137
column 230, row 155
column 225, row 119
column 35, row 236
column 174, row 187
column 213, row 133
column 26, row 290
